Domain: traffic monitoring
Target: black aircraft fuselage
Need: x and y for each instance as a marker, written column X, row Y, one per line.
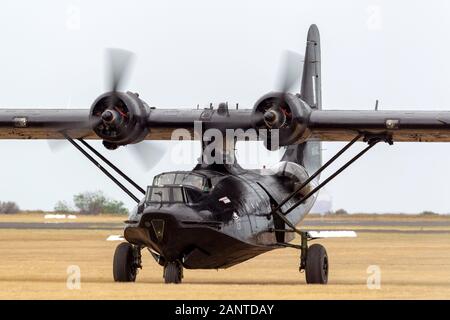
column 216, row 216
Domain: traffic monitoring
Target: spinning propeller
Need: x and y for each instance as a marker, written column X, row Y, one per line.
column 119, row 117
column 277, row 113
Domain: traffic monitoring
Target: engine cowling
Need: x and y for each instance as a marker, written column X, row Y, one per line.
column 119, row 118
column 285, row 112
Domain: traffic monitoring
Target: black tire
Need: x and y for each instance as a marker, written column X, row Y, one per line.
column 173, row 272
column 317, row 265
column 124, row 269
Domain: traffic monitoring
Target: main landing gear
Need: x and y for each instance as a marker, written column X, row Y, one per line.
column 127, row 260
column 314, row 260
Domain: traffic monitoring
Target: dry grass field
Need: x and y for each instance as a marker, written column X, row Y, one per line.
column 34, row 262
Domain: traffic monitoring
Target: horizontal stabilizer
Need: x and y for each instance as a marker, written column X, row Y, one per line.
column 331, row 234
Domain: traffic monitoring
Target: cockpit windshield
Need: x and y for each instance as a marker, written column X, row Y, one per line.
column 181, row 178
column 165, row 194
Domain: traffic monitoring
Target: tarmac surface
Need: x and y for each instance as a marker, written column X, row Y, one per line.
column 418, row 226
column 410, row 257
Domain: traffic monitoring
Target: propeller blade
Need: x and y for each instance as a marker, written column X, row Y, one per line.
column 119, row 65
column 147, row 153
column 290, row 70
column 56, row 145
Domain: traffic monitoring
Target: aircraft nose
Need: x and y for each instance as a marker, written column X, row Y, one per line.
column 157, row 226
column 163, row 230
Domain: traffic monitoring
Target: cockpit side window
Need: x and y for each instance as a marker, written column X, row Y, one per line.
column 215, row 180
column 193, row 195
column 177, row 195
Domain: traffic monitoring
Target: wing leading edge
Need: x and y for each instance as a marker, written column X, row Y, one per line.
column 49, row 123
column 324, row 125
column 413, row 126
column 44, row 123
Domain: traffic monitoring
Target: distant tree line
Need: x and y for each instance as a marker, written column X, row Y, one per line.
column 92, row 203
column 85, row 203
column 9, row 207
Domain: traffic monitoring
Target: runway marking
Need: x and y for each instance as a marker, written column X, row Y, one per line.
column 332, row 234
column 55, row 216
column 115, row 237
column 59, row 216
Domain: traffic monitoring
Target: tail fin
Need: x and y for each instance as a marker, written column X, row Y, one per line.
column 311, row 89
column 309, row 154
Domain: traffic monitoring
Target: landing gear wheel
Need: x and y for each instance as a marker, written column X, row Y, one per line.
column 173, row 272
column 316, row 265
column 124, row 265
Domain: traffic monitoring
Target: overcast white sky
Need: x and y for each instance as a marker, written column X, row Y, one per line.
column 189, row 52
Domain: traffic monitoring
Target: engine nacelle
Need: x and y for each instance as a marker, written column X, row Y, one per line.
column 119, row 118
column 285, row 112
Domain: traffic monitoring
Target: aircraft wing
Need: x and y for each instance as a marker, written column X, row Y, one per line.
column 416, row 126
column 323, row 125
column 49, row 123
column 44, row 123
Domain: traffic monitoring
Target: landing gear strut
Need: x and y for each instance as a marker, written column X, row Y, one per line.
column 314, row 261
column 317, row 265
column 173, row 272
column 126, row 262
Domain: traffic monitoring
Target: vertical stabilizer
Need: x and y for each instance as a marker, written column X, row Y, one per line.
column 309, row 154
column 311, row 89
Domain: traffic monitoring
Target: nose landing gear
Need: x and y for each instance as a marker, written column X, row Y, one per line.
column 173, row 272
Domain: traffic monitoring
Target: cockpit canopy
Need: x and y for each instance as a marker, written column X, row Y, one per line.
column 178, row 187
column 187, row 187
column 180, row 178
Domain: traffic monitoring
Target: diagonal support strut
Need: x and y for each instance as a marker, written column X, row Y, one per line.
column 98, row 165
column 371, row 140
column 109, row 163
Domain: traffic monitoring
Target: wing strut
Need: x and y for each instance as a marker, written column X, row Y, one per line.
column 371, row 140
column 315, row 174
column 106, row 172
column 120, row 172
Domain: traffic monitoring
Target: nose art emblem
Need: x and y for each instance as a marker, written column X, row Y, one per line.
column 158, row 227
